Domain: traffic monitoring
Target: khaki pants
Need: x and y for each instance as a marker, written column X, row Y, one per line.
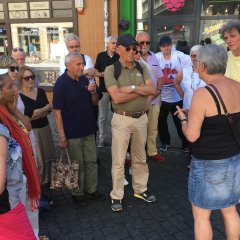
column 124, row 128
column 83, row 150
column 152, row 129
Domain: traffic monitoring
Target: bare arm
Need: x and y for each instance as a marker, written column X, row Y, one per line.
column 177, row 81
column 41, row 112
column 89, row 73
column 60, row 129
column 3, row 162
column 98, row 74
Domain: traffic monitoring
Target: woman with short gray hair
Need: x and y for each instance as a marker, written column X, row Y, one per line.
column 214, row 179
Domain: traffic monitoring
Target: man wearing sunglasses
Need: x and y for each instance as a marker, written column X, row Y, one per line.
column 171, row 62
column 156, row 75
column 129, row 99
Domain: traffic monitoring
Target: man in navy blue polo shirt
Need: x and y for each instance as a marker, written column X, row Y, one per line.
column 74, row 98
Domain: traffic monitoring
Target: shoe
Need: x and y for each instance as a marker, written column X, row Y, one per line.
column 116, row 205
column 125, row 182
column 130, row 171
column 158, row 157
column 101, row 143
column 185, row 149
column 96, row 196
column 80, row 200
column 164, row 147
column 146, row 196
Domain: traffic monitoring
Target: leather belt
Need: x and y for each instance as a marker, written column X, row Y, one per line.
column 130, row 114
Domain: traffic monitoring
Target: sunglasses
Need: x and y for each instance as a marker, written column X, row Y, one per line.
column 138, row 52
column 133, row 48
column 29, row 77
column 13, row 68
column 18, row 49
column 143, row 42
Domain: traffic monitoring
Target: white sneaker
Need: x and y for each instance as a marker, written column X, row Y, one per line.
column 125, row 182
column 130, row 171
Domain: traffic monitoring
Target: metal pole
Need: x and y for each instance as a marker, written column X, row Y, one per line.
column 105, row 22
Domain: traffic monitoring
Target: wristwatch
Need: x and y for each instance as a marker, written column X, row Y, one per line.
column 133, row 87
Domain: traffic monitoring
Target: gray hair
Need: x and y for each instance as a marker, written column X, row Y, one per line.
column 6, row 61
column 142, row 33
column 70, row 56
column 70, row 37
column 231, row 24
column 110, row 38
column 195, row 48
column 214, row 57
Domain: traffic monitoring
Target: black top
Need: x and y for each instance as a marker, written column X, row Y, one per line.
column 103, row 60
column 31, row 105
column 216, row 139
column 75, row 102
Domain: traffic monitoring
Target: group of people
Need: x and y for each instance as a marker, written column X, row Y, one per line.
column 143, row 89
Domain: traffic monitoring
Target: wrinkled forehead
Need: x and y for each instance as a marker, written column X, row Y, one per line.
column 18, row 54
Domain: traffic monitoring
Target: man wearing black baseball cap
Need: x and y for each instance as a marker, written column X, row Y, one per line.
column 129, row 94
column 171, row 61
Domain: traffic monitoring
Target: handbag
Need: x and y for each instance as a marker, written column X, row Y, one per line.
column 64, row 175
column 228, row 116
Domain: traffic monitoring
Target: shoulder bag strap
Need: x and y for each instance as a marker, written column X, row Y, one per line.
column 228, row 116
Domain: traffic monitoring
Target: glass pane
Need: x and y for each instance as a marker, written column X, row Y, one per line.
column 142, row 9
column 210, row 29
column 220, row 7
column 3, row 41
column 42, row 41
column 176, row 33
column 142, row 26
column 161, row 9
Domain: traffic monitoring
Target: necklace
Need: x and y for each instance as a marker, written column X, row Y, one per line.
column 192, row 82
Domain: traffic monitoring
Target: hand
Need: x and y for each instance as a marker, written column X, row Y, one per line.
column 62, row 143
column 181, row 113
column 126, row 89
column 12, row 106
column 34, row 205
column 89, row 73
column 178, row 78
column 91, row 87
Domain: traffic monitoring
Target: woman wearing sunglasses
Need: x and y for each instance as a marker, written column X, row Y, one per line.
column 16, row 156
column 37, row 108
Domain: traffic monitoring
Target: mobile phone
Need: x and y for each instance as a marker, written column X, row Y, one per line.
column 91, row 81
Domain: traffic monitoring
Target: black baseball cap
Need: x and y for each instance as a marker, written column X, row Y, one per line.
column 164, row 40
column 126, row 40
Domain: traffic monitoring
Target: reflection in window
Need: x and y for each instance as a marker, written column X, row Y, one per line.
column 160, row 9
column 220, row 7
column 176, row 33
column 41, row 41
column 142, row 26
column 210, row 29
column 142, row 9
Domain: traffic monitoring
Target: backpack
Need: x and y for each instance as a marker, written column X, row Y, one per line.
column 84, row 61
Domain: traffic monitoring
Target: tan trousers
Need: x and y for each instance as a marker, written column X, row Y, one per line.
column 152, row 129
column 124, row 128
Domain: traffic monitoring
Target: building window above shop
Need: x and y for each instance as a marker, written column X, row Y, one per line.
column 220, row 7
column 142, row 9
column 165, row 9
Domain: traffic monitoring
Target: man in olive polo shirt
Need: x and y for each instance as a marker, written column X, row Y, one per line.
column 129, row 98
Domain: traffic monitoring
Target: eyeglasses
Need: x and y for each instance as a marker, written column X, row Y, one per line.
column 193, row 55
column 27, row 78
column 144, row 42
column 138, row 52
column 71, row 47
column 133, row 48
column 13, row 68
column 18, row 49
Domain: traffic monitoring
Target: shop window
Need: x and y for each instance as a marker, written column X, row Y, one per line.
column 142, row 9
column 220, row 7
column 159, row 9
column 142, row 26
column 176, row 33
column 210, row 29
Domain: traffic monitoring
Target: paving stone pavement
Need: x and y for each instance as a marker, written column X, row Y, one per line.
column 170, row 218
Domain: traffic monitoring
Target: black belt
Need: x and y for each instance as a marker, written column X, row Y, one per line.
column 130, row 114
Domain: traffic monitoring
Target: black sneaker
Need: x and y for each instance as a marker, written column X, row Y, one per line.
column 146, row 196
column 80, row 200
column 96, row 196
column 116, row 205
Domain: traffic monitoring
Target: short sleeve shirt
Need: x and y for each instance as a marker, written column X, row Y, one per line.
column 233, row 67
column 127, row 78
column 75, row 102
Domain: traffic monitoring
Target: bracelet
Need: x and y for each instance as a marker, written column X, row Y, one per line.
column 183, row 120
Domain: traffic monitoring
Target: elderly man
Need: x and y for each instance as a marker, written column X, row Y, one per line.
column 103, row 60
column 73, row 45
column 230, row 32
column 156, row 74
column 73, row 99
column 129, row 92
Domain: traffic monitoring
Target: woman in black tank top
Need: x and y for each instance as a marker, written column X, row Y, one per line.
column 214, row 179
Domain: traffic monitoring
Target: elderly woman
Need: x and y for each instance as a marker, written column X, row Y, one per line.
column 214, row 180
column 37, row 108
column 16, row 156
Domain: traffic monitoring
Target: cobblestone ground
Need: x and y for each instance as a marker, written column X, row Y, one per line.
column 170, row 218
